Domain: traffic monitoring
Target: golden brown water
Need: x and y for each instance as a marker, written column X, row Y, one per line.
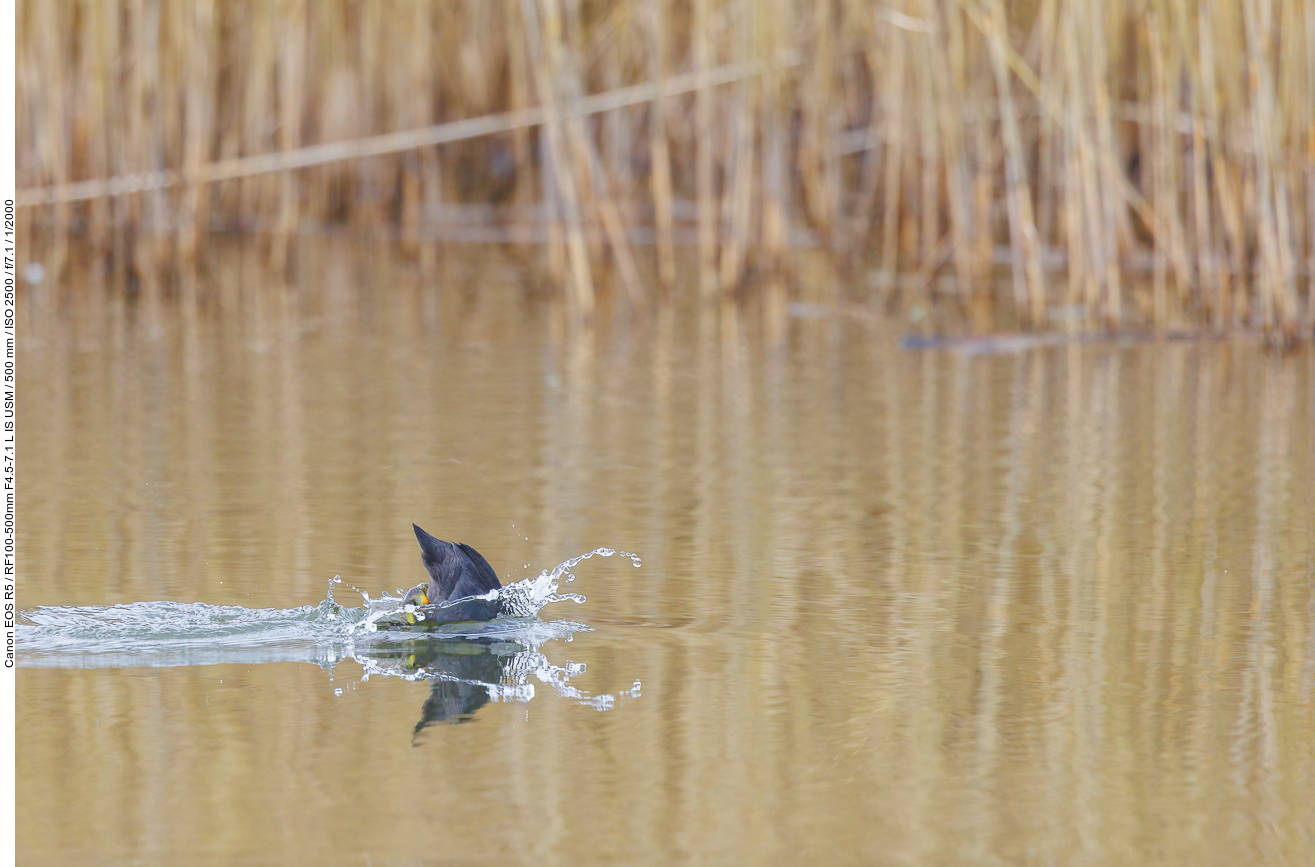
column 896, row 607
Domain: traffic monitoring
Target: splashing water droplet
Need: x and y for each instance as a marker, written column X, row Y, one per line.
column 168, row 633
column 525, row 598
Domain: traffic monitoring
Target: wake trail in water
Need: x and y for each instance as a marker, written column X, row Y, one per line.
column 196, row 633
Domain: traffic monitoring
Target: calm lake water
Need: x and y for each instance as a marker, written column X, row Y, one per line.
column 894, row 607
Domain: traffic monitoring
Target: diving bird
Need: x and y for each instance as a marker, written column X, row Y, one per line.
column 455, row 572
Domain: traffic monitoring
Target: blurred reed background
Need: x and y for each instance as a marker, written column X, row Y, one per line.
column 1079, row 165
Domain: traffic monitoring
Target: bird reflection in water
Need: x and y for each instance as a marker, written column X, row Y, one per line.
column 463, row 676
column 466, row 673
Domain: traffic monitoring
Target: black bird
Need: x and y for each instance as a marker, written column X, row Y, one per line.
column 455, row 572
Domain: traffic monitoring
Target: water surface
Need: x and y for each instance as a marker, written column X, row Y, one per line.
column 895, row 607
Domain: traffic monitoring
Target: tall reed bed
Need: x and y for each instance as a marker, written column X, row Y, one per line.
column 1148, row 161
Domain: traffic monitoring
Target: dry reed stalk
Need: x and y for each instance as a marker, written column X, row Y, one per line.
column 259, row 58
column 1047, row 40
column 894, row 136
column 599, row 184
column 1202, row 227
column 199, row 112
column 518, row 93
column 659, row 152
column 950, row 115
column 571, row 45
column 414, row 113
column 27, row 83
column 95, row 76
column 1081, row 204
column 1273, row 285
column 580, row 143
column 1083, row 275
column 1308, row 124
column 617, row 131
column 291, row 85
column 1174, row 152
column 983, row 151
column 52, row 123
column 987, row 156
column 869, row 170
column 1292, row 109
column 368, row 207
column 929, row 154
column 1221, row 171
column 226, row 141
column 774, row 187
column 544, row 44
column 1202, row 236
column 153, row 145
column 610, row 215
column 421, row 178
column 116, row 50
column 739, row 184
column 703, row 145
column 1159, row 150
column 527, row 58
column 552, row 211
column 1029, row 290
column 1104, row 292
column 132, row 132
column 1105, row 179
column 817, row 127
column 1309, row 259
column 431, row 174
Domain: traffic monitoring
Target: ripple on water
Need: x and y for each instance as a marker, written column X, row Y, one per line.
column 197, row 633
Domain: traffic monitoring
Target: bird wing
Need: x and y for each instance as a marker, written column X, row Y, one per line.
column 485, row 578
column 455, row 571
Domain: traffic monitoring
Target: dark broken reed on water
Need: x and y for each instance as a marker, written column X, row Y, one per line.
column 1117, row 164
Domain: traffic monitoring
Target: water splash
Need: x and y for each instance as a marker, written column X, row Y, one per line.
column 177, row 633
column 520, row 599
column 526, row 598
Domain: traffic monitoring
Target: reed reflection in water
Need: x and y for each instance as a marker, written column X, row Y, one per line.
column 895, row 607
